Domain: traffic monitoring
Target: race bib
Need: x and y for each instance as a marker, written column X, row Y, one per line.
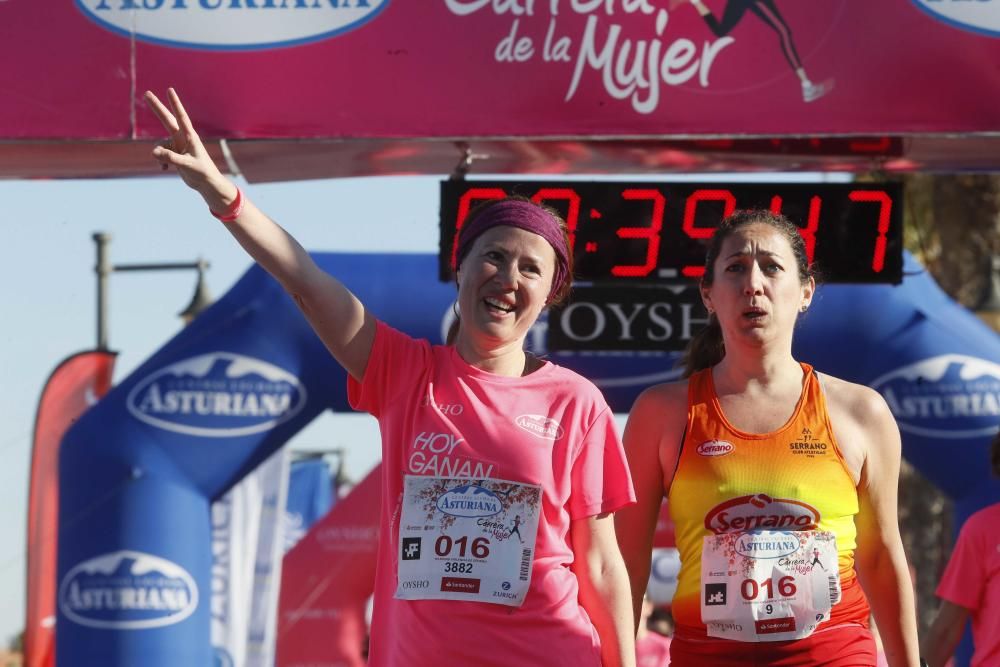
column 464, row 540
column 768, row 586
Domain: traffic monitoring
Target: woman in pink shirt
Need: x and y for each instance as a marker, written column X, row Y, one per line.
column 970, row 589
column 500, row 469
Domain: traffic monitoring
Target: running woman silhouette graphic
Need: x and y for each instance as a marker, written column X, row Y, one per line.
column 516, row 528
column 767, row 12
column 816, row 560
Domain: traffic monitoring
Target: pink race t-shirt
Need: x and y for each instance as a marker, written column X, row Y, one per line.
column 972, row 580
column 441, row 417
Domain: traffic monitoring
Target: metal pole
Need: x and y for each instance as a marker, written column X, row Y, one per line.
column 103, row 270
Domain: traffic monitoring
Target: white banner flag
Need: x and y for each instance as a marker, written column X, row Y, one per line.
column 247, row 543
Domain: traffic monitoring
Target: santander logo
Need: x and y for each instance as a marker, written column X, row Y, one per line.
column 232, row 25
column 715, row 448
column 761, row 512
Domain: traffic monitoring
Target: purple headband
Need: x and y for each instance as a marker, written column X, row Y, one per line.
column 523, row 215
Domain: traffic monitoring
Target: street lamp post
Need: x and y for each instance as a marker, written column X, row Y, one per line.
column 105, row 268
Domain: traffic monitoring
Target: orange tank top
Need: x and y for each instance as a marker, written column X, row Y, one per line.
column 729, row 480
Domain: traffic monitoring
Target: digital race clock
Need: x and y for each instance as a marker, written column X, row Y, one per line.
column 656, row 232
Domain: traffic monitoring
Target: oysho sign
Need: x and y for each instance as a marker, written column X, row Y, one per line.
column 231, row 24
column 219, row 395
column 127, row 590
column 947, row 396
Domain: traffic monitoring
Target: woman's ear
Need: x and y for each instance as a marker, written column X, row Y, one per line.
column 706, row 298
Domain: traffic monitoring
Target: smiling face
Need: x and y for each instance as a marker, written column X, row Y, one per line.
column 756, row 289
column 503, row 285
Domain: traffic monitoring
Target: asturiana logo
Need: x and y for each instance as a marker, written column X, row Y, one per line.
column 982, row 17
column 235, row 25
column 761, row 512
column 947, row 396
column 541, row 426
column 218, row 395
column 767, row 544
column 715, row 448
column 469, row 500
column 127, row 590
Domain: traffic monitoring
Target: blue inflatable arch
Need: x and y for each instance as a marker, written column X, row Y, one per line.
column 140, row 470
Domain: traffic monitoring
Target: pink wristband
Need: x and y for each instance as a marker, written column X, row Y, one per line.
column 233, row 211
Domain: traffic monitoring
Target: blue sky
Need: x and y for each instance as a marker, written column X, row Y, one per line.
column 48, row 299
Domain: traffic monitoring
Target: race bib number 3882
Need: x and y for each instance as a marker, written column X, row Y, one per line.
column 465, row 540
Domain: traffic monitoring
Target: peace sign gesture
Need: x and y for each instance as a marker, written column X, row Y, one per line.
column 184, row 151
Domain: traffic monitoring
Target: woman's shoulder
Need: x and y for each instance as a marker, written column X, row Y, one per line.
column 558, row 378
column 856, row 401
column 663, row 400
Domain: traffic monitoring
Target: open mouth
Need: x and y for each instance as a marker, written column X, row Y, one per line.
column 498, row 306
column 754, row 314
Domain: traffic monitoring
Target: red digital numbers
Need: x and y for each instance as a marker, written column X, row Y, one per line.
column 751, row 589
column 573, row 207
column 808, row 232
column 885, row 209
column 690, row 207
column 625, row 222
column 651, row 233
column 474, row 196
column 465, row 204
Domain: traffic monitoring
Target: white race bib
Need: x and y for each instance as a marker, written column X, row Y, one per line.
column 467, row 540
column 768, row 585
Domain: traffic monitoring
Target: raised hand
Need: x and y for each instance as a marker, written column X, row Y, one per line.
column 185, row 152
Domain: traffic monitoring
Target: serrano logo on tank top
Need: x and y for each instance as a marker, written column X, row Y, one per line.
column 761, row 512
column 540, row 426
column 808, row 445
column 715, row 448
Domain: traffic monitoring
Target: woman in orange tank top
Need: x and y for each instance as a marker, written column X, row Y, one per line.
column 781, row 481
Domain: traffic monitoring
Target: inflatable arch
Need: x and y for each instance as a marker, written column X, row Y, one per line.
column 140, row 470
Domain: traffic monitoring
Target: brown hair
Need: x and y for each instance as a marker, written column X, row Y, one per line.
column 559, row 295
column 707, row 347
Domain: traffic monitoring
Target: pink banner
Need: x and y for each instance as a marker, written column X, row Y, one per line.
column 75, row 385
column 501, row 68
column 326, row 580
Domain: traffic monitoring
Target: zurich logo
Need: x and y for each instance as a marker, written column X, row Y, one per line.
column 127, row 590
column 981, row 17
column 217, row 395
column 469, row 500
column 947, row 396
column 235, row 25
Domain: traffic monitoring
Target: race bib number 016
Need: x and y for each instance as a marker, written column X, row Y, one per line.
column 462, row 540
column 767, row 585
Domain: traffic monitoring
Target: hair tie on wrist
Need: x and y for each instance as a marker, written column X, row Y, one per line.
column 233, row 210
